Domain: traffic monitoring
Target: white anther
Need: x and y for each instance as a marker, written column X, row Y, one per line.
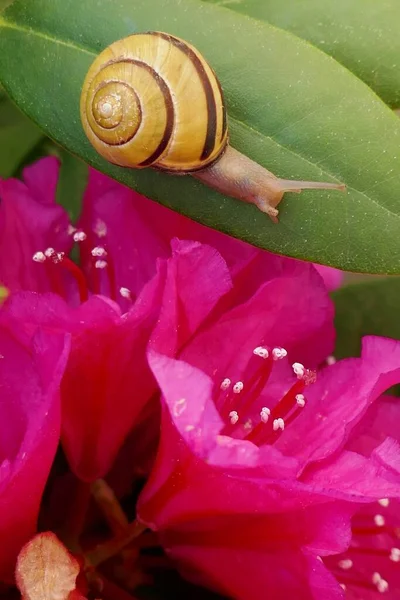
column 395, row 554
column 345, row 564
column 298, row 369
column 39, row 257
column 237, row 388
column 330, row 360
column 233, row 417
column 264, row 414
column 376, row 577
column 100, row 264
column 343, row 586
column 278, row 353
column 71, row 229
column 99, row 251
column 384, row 502
column 225, row 384
column 382, row 586
column 79, row 236
column 300, row 399
column 49, row 252
column 379, row 520
column 261, row 352
column 125, row 292
column 278, row 424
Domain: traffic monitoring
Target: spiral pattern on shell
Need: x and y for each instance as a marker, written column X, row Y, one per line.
column 152, row 100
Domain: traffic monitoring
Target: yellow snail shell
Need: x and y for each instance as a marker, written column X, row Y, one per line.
column 152, row 100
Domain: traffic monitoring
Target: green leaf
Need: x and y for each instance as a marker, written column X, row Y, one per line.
column 367, row 308
column 291, row 107
column 18, row 137
column 71, row 183
column 363, row 35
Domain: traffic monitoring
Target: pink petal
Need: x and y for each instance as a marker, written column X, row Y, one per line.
column 197, row 277
column 30, row 221
column 42, row 179
column 252, row 575
column 30, row 426
column 359, row 478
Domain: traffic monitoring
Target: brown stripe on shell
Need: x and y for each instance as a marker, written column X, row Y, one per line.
column 168, row 106
column 224, row 120
column 209, row 143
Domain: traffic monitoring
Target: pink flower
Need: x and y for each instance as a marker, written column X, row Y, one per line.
column 30, row 374
column 253, row 482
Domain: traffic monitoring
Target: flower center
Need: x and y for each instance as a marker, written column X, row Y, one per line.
column 372, row 561
column 100, row 269
column 237, row 401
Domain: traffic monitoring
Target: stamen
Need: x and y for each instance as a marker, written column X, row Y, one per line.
column 395, row 554
column 330, row 360
column 299, row 370
column 125, row 293
column 278, row 424
column 39, row 257
column 99, row 251
column 225, row 384
column 79, row 236
column 238, row 387
column 71, row 229
column 345, row 564
column 379, row 520
column 49, row 252
column 233, row 417
column 384, row 502
column 76, row 273
column 279, row 353
column 264, row 414
column 100, row 264
column 261, row 351
column 300, row 400
column 381, row 584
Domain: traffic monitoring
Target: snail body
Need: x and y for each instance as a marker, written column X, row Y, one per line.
column 152, row 100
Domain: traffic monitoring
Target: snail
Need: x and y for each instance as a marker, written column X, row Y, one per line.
column 152, row 100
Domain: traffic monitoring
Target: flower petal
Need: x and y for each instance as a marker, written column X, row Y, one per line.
column 30, row 427
column 250, row 575
column 30, row 221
